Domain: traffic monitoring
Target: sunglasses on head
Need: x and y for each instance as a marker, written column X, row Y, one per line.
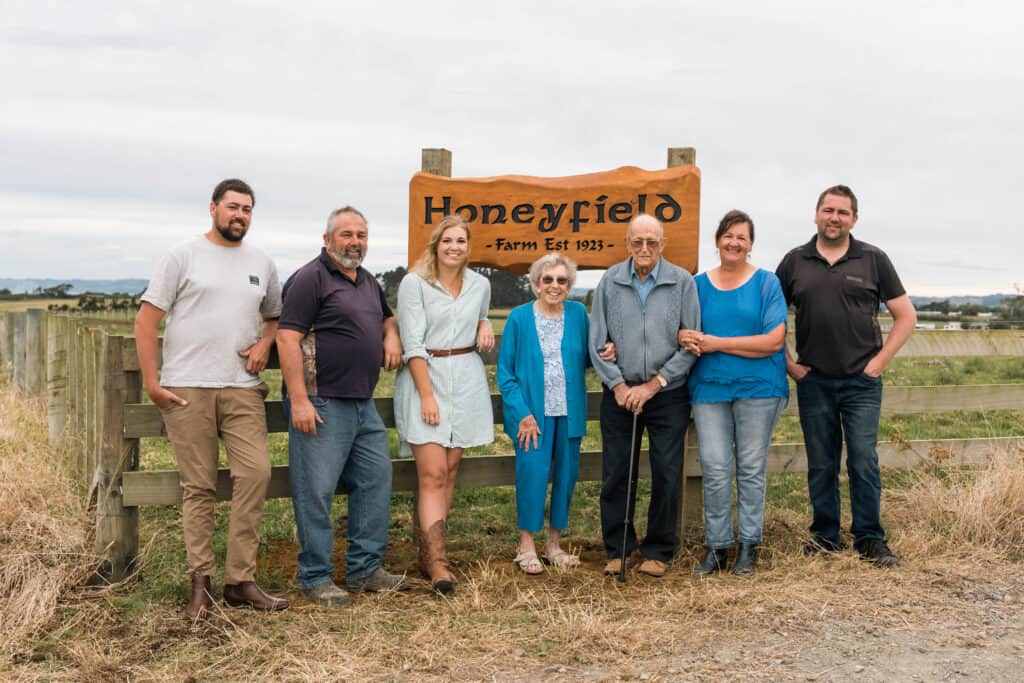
column 551, row 279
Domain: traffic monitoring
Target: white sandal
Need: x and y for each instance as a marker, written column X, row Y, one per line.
column 528, row 563
column 562, row 559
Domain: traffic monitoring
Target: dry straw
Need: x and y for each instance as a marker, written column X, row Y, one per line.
column 950, row 527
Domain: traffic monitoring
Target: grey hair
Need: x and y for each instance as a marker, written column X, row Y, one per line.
column 550, row 261
column 344, row 209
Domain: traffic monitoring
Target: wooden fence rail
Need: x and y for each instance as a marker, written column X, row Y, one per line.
column 93, row 391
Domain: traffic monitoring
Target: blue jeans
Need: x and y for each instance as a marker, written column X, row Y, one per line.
column 747, row 423
column 831, row 408
column 556, row 458
column 350, row 446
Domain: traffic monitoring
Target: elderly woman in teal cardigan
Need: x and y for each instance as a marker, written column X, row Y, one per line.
column 541, row 369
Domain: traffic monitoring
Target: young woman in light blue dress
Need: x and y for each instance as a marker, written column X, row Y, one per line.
column 442, row 401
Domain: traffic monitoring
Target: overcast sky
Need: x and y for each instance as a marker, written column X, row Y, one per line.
column 119, row 117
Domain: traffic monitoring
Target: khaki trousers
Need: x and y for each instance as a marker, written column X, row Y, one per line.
column 238, row 417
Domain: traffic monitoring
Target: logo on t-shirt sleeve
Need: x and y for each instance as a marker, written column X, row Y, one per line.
column 254, row 280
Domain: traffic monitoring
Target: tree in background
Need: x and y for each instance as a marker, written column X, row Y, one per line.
column 1013, row 308
column 507, row 289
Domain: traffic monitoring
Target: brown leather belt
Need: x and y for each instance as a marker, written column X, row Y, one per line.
column 442, row 353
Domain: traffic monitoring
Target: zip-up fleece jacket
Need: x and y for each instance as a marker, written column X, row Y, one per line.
column 644, row 335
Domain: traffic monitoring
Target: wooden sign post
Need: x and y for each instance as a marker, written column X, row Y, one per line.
column 516, row 219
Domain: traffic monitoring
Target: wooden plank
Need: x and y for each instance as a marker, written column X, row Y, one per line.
column 143, row 420
column 6, row 347
column 56, row 379
column 163, row 487
column 17, row 321
column 35, row 352
column 117, row 526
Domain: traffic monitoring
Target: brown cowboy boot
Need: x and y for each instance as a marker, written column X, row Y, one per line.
column 248, row 594
column 434, row 559
column 200, row 602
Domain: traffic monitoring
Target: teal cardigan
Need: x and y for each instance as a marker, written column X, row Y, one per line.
column 521, row 368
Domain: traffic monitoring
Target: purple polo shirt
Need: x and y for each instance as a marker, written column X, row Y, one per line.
column 343, row 324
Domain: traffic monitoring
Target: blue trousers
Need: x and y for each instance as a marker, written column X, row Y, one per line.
column 557, row 457
column 351, row 446
column 746, row 423
column 832, row 408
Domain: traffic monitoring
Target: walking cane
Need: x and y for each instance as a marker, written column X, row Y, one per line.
column 629, row 490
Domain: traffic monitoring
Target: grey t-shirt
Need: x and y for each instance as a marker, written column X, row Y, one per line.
column 214, row 297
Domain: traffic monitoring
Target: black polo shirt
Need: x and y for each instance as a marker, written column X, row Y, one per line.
column 836, row 305
column 343, row 324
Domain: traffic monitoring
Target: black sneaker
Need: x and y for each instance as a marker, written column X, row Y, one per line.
column 877, row 552
column 820, row 545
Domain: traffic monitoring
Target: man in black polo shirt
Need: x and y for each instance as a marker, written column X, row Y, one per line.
column 836, row 284
column 335, row 328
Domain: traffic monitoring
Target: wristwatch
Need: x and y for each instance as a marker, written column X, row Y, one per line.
column 661, row 380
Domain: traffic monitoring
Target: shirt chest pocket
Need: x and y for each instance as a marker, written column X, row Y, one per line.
column 860, row 293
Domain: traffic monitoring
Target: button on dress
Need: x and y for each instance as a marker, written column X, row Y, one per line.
column 430, row 318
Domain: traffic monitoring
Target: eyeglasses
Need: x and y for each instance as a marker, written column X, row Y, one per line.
column 641, row 243
column 551, row 279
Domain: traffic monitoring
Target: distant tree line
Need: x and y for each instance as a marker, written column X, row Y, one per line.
column 507, row 289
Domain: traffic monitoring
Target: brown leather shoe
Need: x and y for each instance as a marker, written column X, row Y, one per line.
column 248, row 594
column 200, row 602
column 655, row 568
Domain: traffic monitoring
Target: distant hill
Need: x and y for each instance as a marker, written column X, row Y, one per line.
column 988, row 300
column 137, row 285
column 29, row 285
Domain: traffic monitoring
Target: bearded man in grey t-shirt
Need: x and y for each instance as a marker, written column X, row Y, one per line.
column 214, row 289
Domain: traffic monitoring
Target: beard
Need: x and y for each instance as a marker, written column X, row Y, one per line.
column 236, row 236
column 350, row 259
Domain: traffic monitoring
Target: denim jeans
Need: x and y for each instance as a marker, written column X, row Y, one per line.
column 351, row 446
column 831, row 408
column 665, row 417
column 747, row 423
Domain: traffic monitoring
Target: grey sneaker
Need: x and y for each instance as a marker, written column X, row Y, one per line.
column 379, row 580
column 327, row 595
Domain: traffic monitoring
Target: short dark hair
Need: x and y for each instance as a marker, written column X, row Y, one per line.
column 232, row 185
column 732, row 218
column 839, row 191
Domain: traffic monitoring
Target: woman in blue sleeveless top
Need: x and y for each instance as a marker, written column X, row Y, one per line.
column 738, row 389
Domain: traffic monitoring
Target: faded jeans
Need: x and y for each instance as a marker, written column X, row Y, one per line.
column 351, row 446
column 747, row 424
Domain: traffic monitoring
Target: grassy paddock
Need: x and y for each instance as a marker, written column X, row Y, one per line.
column 946, row 524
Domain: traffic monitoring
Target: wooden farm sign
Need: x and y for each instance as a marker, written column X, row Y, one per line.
column 516, row 219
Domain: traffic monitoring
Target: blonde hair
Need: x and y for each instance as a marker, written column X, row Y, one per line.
column 426, row 264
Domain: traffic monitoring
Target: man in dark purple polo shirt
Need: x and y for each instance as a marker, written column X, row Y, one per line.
column 335, row 328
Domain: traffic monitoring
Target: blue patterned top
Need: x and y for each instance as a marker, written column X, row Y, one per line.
column 549, row 331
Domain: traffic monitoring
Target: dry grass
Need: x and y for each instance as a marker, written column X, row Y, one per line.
column 950, row 527
column 44, row 553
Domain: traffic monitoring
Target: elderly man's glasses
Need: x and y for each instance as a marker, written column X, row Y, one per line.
column 551, row 279
column 641, row 243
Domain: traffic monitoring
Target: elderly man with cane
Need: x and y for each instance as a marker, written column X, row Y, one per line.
column 640, row 304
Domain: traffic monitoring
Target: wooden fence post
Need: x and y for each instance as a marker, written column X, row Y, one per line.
column 117, row 527
column 56, row 379
column 691, row 501
column 35, row 352
column 437, row 161
column 6, row 347
column 18, row 347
